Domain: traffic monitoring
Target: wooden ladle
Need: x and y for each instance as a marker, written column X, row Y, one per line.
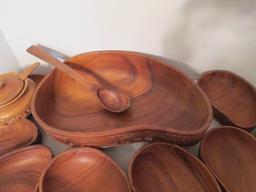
column 111, row 100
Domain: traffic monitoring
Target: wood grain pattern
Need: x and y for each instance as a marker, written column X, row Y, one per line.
column 20, row 108
column 112, row 100
column 230, row 153
column 20, row 170
column 16, row 135
column 83, row 169
column 166, row 105
column 161, row 167
column 232, row 97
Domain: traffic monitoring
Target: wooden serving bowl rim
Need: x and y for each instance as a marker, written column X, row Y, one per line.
column 172, row 146
column 27, row 148
column 219, row 129
column 250, row 85
column 33, row 128
column 77, row 149
column 135, row 128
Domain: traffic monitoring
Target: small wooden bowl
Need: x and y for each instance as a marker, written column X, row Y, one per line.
column 161, row 167
column 83, row 169
column 232, row 97
column 20, row 170
column 161, row 102
column 19, row 134
column 230, row 153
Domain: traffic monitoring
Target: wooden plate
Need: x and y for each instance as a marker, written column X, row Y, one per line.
column 20, row 170
column 232, row 97
column 19, row 134
column 161, row 167
column 166, row 105
column 230, row 154
column 83, row 169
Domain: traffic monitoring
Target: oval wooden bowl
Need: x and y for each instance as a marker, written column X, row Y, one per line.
column 19, row 134
column 161, row 167
column 165, row 104
column 230, row 95
column 83, row 169
column 230, row 154
column 20, row 170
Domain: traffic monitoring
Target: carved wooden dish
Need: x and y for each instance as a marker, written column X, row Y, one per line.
column 19, row 134
column 83, row 169
column 232, row 97
column 161, row 167
column 165, row 104
column 15, row 98
column 230, row 154
column 20, row 170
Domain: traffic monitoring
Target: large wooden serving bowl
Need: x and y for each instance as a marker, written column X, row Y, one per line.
column 20, row 170
column 165, row 104
column 83, row 169
column 232, row 97
column 161, row 167
column 230, row 154
column 19, row 134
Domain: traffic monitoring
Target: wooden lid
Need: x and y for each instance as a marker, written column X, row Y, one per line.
column 10, row 88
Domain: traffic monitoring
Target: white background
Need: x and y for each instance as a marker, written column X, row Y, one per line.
column 198, row 35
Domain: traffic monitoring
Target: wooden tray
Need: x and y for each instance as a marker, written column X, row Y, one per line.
column 83, row 169
column 232, row 97
column 230, row 154
column 19, row 134
column 20, row 170
column 165, row 105
column 161, row 167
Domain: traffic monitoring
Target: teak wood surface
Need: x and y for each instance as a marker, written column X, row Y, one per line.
column 230, row 153
column 20, row 170
column 166, row 105
column 161, row 167
column 232, row 97
column 19, row 134
column 83, row 169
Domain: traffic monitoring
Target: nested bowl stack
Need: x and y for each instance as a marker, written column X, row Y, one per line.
column 165, row 104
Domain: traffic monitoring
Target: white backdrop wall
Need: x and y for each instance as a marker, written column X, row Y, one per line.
column 212, row 34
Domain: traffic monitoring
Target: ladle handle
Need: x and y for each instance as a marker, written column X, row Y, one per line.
column 26, row 72
column 45, row 56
